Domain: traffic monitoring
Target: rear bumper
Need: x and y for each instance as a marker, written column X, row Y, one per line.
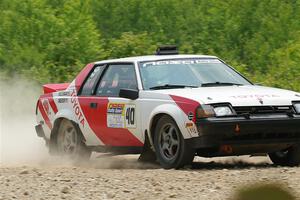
column 252, row 132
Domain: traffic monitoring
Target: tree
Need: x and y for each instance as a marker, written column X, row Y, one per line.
column 48, row 43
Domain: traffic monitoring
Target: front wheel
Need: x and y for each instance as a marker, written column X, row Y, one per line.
column 288, row 157
column 70, row 142
column 170, row 147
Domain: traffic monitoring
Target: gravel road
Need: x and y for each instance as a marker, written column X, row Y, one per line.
column 122, row 177
column 27, row 172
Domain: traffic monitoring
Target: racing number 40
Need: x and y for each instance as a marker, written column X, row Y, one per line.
column 130, row 111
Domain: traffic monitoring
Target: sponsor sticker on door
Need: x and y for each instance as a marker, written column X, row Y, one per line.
column 120, row 115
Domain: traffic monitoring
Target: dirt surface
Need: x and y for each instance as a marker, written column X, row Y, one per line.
column 27, row 171
column 123, row 177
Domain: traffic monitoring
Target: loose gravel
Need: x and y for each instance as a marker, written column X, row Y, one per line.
column 125, row 178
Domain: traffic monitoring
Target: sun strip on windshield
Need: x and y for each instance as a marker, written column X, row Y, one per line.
column 179, row 61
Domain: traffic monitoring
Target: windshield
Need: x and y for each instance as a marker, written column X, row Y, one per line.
column 188, row 72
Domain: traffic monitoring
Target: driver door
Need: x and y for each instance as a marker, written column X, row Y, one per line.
column 115, row 119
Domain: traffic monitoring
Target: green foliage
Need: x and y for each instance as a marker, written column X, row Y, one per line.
column 131, row 44
column 51, row 40
column 47, row 43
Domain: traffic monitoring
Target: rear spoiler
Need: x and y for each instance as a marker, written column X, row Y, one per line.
column 49, row 88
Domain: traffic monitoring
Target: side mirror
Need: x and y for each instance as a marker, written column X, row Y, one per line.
column 129, row 94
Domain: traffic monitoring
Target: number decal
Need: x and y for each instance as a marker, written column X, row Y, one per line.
column 130, row 116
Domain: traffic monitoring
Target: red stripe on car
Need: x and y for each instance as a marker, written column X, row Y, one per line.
column 49, row 96
column 186, row 105
column 44, row 115
column 53, row 105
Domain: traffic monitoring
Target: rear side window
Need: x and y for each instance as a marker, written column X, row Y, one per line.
column 87, row 88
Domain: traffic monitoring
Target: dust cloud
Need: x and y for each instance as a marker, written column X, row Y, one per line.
column 19, row 143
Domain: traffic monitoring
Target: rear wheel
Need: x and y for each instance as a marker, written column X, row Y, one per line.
column 70, row 142
column 288, row 157
column 170, row 147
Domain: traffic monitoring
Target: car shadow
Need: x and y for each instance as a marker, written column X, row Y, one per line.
column 235, row 165
column 110, row 161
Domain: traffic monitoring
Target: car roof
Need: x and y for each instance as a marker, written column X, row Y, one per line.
column 153, row 57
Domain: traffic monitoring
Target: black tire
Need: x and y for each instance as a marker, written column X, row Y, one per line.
column 170, row 147
column 70, row 143
column 289, row 157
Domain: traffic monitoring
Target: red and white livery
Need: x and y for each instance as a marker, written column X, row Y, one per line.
column 169, row 108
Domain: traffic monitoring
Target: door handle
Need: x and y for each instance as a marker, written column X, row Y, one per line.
column 93, row 105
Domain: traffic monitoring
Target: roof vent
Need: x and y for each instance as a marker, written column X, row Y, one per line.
column 167, row 50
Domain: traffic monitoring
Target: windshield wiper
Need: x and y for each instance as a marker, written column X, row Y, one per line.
column 170, row 86
column 218, row 84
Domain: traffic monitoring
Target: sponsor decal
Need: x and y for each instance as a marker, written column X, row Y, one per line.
column 115, row 115
column 64, row 93
column 191, row 127
column 115, row 108
column 260, row 101
column 76, row 108
column 255, row 96
column 62, row 100
column 191, row 116
column 180, row 62
column 120, row 115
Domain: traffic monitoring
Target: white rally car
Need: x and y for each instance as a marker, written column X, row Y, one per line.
column 169, row 108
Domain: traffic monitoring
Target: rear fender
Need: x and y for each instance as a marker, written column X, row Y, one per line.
column 67, row 114
column 61, row 114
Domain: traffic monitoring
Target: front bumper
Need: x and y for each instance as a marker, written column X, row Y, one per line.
column 268, row 130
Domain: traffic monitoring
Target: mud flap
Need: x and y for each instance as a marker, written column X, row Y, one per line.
column 147, row 155
column 39, row 131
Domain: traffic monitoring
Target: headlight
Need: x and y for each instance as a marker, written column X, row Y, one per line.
column 205, row 111
column 297, row 107
column 223, row 111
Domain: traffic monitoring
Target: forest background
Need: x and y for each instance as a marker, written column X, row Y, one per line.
column 50, row 41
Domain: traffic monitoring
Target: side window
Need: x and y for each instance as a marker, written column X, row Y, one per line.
column 91, row 81
column 116, row 77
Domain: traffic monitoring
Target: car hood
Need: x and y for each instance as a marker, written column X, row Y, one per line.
column 237, row 95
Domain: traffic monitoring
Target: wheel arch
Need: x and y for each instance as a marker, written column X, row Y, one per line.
column 174, row 113
column 59, row 116
column 153, row 124
column 54, row 133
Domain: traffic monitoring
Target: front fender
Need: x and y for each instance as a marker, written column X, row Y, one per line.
column 173, row 111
